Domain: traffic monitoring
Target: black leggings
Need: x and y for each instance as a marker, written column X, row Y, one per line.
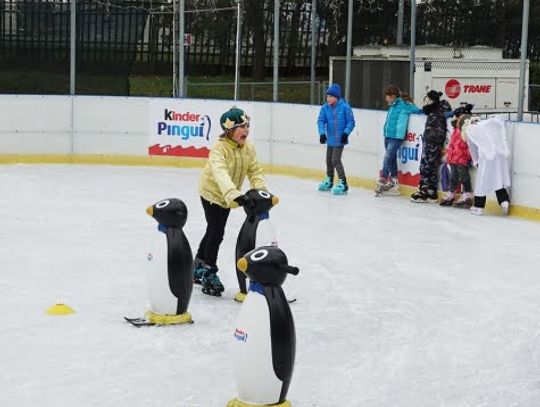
column 502, row 195
column 460, row 173
column 216, row 219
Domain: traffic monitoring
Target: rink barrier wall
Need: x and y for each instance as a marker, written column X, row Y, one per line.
column 114, row 130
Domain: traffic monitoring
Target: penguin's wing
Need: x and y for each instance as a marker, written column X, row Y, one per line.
column 246, row 237
column 180, row 267
column 283, row 334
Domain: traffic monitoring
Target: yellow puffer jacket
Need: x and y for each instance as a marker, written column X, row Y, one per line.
column 224, row 173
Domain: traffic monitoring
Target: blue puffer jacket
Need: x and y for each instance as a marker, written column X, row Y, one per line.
column 335, row 121
column 397, row 119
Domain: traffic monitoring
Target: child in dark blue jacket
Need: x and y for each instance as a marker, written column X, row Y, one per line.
column 335, row 123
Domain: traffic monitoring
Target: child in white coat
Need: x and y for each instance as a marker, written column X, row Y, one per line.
column 489, row 149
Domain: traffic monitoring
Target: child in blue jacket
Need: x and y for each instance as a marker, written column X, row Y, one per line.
column 395, row 129
column 336, row 122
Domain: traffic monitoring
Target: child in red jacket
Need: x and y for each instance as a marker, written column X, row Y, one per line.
column 459, row 157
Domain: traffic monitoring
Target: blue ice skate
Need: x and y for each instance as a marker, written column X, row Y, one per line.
column 326, row 185
column 341, row 188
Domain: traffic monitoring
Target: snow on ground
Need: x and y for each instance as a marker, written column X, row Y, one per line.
column 399, row 304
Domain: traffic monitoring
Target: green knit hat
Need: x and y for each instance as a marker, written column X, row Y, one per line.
column 232, row 118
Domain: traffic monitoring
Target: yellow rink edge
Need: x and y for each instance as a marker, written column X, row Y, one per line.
column 185, row 162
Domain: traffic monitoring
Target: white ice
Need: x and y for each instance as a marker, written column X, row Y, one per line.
column 399, row 304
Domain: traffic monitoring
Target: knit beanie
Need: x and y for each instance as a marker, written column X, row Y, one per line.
column 232, row 118
column 334, row 90
column 434, row 96
column 467, row 109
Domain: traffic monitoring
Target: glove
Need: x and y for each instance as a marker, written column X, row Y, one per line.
column 322, row 139
column 344, row 138
column 244, row 200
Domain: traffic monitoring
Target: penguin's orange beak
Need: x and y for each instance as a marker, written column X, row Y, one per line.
column 275, row 200
column 150, row 210
column 242, row 264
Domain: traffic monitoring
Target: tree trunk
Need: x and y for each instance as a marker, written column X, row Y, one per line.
column 254, row 19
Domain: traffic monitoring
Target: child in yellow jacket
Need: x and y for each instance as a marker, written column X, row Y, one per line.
column 231, row 159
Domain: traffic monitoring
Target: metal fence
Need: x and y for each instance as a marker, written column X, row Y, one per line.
column 289, row 91
column 117, row 40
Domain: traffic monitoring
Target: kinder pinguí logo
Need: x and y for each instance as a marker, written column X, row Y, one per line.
column 409, row 150
column 452, row 88
column 184, row 125
column 240, row 335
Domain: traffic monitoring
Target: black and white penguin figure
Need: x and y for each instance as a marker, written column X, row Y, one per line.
column 170, row 269
column 257, row 230
column 264, row 344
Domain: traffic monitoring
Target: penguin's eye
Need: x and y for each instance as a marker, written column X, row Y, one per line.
column 162, row 204
column 259, row 255
column 264, row 194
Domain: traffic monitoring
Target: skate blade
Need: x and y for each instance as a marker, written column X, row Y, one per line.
column 211, row 293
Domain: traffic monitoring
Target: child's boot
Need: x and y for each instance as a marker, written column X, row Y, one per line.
column 326, row 185
column 380, row 187
column 505, row 207
column 464, row 201
column 420, row 196
column 198, row 270
column 432, row 196
column 392, row 187
column 475, row 210
column 448, row 200
column 341, row 188
column 211, row 284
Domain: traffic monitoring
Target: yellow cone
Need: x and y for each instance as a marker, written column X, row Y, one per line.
column 60, row 309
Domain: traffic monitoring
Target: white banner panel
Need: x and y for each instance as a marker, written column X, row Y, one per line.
column 182, row 127
column 410, row 152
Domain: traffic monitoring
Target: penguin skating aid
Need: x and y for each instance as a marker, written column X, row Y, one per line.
column 257, row 230
column 264, row 340
column 169, row 273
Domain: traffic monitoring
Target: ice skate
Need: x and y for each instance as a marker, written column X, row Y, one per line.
column 392, row 188
column 380, row 187
column 475, row 210
column 464, row 201
column 198, row 270
column 326, row 185
column 448, row 200
column 341, row 188
column 505, row 207
column 424, row 196
column 211, row 284
column 420, row 196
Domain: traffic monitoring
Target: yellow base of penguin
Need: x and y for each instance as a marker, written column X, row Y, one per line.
column 240, row 296
column 164, row 319
column 238, row 403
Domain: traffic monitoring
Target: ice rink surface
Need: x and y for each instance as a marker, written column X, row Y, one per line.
column 399, row 304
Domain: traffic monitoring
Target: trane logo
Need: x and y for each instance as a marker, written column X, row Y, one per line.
column 477, row 88
column 453, row 88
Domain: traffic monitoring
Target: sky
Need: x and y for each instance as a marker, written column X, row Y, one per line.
column 398, row 304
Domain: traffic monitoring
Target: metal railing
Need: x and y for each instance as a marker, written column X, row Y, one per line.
column 257, row 90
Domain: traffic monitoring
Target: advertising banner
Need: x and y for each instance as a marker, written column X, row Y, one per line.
column 410, row 152
column 184, row 128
